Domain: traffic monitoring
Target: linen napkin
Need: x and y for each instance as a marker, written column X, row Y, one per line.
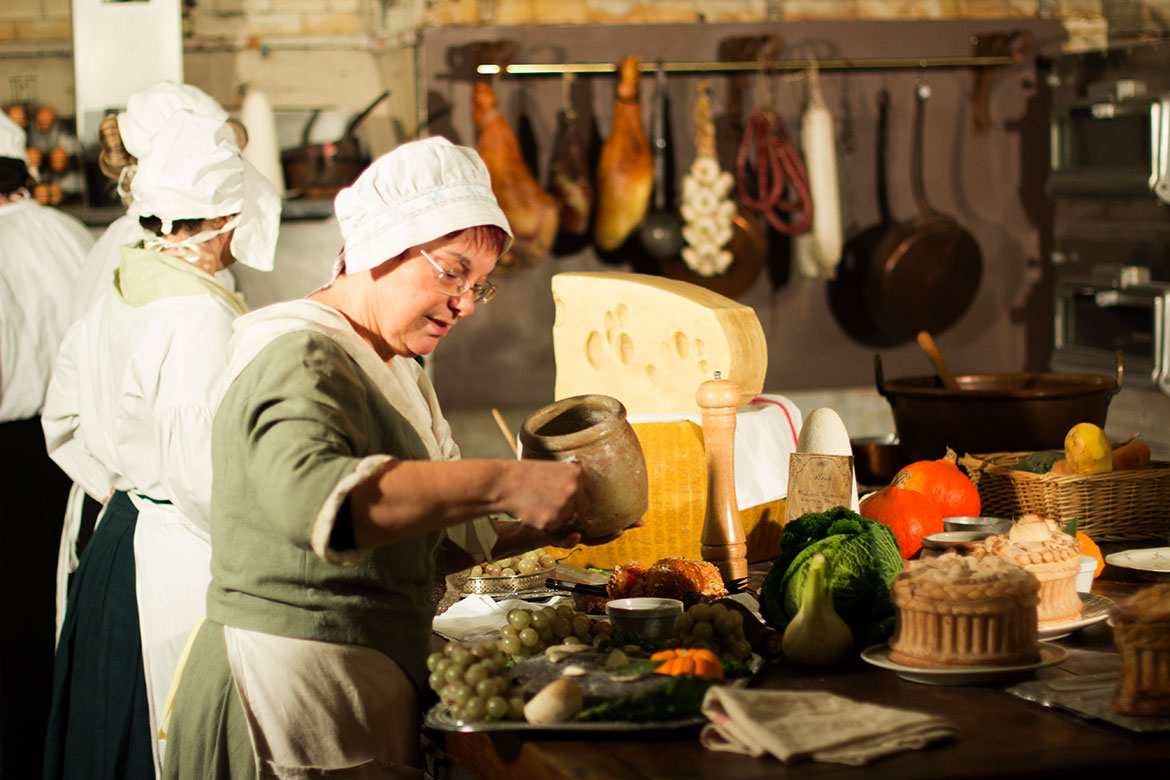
column 794, row 725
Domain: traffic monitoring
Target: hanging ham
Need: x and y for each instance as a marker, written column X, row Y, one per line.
column 568, row 174
column 625, row 175
column 531, row 212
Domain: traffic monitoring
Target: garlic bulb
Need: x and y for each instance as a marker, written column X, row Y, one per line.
column 817, row 636
column 706, row 210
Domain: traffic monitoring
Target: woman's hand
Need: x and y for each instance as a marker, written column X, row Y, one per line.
column 545, row 496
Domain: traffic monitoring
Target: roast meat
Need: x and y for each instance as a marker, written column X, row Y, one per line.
column 531, row 212
column 625, row 174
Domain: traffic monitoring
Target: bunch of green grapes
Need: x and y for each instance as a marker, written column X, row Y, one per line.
column 530, row 631
column 474, row 683
column 528, row 563
column 713, row 627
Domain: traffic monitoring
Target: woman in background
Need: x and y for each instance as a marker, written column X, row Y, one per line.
column 41, row 250
column 130, row 408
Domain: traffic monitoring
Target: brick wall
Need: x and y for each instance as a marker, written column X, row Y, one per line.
column 340, row 53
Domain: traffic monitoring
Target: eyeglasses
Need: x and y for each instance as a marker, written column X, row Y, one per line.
column 455, row 284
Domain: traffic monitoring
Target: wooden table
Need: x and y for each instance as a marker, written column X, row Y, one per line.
column 1000, row 735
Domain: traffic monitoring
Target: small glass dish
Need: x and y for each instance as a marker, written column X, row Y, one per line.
column 650, row 617
column 985, row 524
column 962, row 542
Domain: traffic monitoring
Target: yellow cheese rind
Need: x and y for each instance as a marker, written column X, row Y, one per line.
column 650, row 341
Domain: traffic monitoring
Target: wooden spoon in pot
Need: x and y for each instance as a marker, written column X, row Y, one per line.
column 936, row 359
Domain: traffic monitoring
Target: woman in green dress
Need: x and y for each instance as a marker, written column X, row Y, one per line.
column 339, row 495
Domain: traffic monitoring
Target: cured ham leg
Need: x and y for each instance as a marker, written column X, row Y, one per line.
column 625, row 175
column 532, row 213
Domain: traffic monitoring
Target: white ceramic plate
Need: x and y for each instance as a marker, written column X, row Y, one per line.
column 1094, row 609
column 1153, row 563
column 879, row 656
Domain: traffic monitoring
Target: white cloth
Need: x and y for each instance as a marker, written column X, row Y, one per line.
column 797, row 725
column 149, row 109
column 413, row 194
column 41, row 251
column 194, row 170
column 13, row 140
column 766, row 432
column 129, row 407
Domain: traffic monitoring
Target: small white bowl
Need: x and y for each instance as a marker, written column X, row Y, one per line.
column 647, row 616
column 1085, row 576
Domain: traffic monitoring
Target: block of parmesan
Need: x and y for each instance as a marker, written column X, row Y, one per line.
column 650, row 341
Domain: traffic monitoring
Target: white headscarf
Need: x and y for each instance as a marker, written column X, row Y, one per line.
column 193, row 170
column 13, row 140
column 412, row 195
column 148, row 110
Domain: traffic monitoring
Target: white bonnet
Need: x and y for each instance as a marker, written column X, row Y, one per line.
column 13, row 141
column 192, row 170
column 419, row 191
column 148, row 110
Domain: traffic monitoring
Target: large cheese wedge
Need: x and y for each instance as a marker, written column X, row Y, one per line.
column 650, row 341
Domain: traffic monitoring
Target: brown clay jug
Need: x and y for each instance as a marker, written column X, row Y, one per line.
column 592, row 430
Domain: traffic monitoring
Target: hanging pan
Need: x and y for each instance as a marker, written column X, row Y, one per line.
column 923, row 273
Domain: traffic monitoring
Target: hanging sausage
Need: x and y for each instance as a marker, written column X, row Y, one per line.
column 531, row 212
column 625, row 175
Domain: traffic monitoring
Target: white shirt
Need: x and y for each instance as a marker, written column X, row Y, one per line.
column 41, row 251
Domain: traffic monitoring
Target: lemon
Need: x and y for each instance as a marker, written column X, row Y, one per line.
column 1087, row 449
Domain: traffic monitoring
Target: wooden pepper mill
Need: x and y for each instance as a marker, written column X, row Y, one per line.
column 723, row 542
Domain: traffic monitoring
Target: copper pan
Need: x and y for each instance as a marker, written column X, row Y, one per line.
column 1005, row 412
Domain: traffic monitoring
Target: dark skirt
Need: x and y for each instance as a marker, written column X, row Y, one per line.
column 35, row 493
column 99, row 726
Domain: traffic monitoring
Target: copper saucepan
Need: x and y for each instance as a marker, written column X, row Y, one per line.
column 923, row 273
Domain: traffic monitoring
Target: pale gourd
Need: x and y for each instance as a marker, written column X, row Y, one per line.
column 1087, row 449
column 557, row 702
column 824, row 433
column 817, row 636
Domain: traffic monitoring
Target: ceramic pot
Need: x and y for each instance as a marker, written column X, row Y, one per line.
column 592, row 430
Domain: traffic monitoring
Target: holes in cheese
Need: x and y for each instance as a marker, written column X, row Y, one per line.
column 650, row 341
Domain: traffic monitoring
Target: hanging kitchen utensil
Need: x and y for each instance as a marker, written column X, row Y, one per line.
column 569, row 178
column 846, row 292
column 321, row 170
column 661, row 231
column 924, row 273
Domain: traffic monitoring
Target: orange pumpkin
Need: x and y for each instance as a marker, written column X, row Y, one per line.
column 1089, row 547
column 943, row 483
column 908, row 513
column 695, row 660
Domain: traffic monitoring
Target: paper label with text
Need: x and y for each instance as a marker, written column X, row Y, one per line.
column 817, row 483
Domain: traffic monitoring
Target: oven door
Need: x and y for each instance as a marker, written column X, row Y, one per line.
column 1094, row 320
column 1111, row 149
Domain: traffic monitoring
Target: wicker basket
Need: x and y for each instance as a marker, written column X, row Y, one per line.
column 1115, row 506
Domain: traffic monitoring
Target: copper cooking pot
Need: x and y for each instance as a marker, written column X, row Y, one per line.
column 321, row 170
column 1008, row 412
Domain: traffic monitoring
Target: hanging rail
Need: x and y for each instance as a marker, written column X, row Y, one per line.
column 881, row 63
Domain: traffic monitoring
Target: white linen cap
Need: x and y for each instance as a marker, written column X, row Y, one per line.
column 193, row 170
column 148, row 110
column 13, row 141
column 413, row 194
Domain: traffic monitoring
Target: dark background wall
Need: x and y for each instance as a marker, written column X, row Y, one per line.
column 993, row 184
